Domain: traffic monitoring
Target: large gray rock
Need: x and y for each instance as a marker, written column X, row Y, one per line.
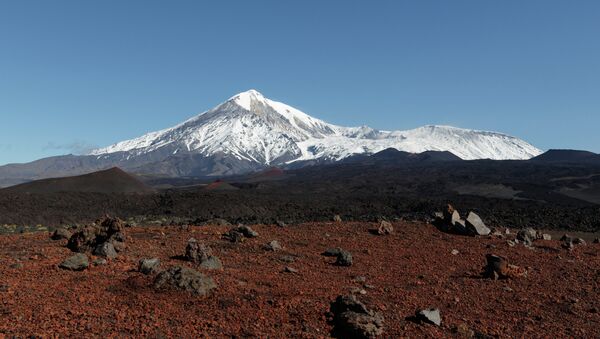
column 352, row 319
column 106, row 250
column 431, row 316
column 475, row 225
column 77, row 262
column 185, row 279
column 149, row 266
column 247, row 231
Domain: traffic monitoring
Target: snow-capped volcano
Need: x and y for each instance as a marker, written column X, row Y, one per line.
column 254, row 129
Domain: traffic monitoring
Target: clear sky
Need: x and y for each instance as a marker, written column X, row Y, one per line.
column 77, row 74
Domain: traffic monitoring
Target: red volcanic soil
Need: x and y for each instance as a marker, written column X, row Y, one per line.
column 409, row 270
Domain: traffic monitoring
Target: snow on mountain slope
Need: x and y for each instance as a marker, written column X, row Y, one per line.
column 253, row 128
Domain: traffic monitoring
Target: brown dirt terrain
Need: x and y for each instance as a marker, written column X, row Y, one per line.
column 408, row 270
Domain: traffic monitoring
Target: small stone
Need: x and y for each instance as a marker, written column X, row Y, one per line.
column 430, row 316
column 247, row 231
column 106, row 250
column 499, row 268
column 273, row 246
column 352, row 319
column 17, row 265
column 579, row 241
column 77, row 262
column 385, row 228
column 511, row 243
column 344, row 258
column 280, row 223
column 597, row 241
column 546, row 236
column 288, row 269
column 99, row 262
column 287, row 258
column 360, row 279
column 332, row 252
column 61, row 233
column 475, row 225
column 148, row 266
column 337, row 218
column 527, row 236
column 454, row 252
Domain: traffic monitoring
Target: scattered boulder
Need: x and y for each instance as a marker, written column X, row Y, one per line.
column 77, row 262
column 288, row 269
column 149, row 266
column 499, row 268
column 337, row 218
column 185, row 279
column 106, row 250
column 597, row 241
column 546, row 236
column 61, row 233
column 475, row 226
column 99, row 262
column 352, row 319
column 385, row 228
column 332, row 252
column 344, row 258
column 233, row 236
column 280, row 223
column 273, row 246
column 450, row 214
column 197, row 252
column 527, row 235
column 238, row 233
column 430, row 316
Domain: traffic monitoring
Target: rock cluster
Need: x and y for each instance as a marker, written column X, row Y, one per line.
column 498, row 267
column 450, row 221
column 185, row 279
column 104, row 238
column 352, row 319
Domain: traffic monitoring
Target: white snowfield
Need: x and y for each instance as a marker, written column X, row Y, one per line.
column 251, row 127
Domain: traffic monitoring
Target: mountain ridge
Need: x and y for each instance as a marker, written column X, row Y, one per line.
column 250, row 132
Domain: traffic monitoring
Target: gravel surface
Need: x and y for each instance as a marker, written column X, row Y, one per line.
column 399, row 274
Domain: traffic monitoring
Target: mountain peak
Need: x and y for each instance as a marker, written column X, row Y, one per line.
column 247, row 98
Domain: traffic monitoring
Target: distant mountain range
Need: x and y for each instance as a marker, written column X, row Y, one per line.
column 249, row 132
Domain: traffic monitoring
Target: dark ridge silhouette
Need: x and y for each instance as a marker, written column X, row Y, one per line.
column 112, row 180
column 567, row 156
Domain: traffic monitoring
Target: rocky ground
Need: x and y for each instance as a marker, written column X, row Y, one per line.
column 263, row 291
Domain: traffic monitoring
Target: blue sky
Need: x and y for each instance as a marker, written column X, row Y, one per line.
column 78, row 74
